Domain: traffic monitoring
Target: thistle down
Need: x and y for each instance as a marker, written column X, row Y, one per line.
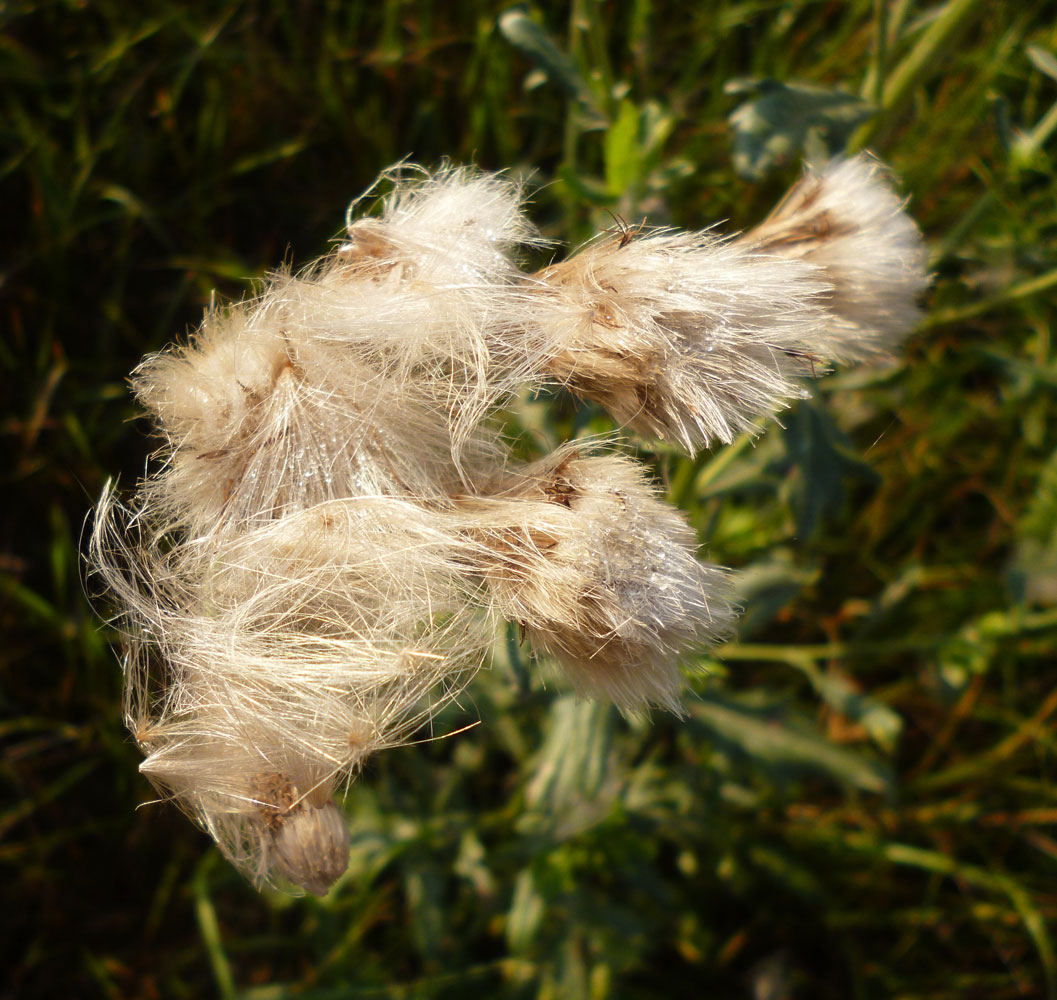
column 318, row 564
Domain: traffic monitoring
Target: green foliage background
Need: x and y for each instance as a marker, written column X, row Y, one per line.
column 862, row 801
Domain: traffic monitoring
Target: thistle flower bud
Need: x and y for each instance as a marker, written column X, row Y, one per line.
column 309, row 840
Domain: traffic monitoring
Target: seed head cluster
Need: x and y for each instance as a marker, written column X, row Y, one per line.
column 335, row 525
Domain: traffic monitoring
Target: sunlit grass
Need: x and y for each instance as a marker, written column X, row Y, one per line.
column 861, row 802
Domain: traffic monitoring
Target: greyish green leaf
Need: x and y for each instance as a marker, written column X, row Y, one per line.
column 821, row 458
column 773, row 739
column 532, row 39
column 778, row 122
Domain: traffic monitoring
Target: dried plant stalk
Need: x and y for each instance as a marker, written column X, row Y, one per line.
column 317, row 565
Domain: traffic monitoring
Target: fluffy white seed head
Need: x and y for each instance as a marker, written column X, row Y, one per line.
column 693, row 339
column 370, row 372
column 454, row 225
column 314, row 569
column 846, row 220
column 680, row 335
column 599, row 573
column 295, row 647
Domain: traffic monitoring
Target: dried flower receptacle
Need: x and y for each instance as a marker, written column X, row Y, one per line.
column 308, row 838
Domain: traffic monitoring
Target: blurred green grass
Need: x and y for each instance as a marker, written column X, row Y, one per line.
column 862, row 801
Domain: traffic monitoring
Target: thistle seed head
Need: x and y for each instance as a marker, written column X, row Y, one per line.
column 315, row 567
column 308, row 838
column 599, row 573
column 683, row 336
column 847, row 221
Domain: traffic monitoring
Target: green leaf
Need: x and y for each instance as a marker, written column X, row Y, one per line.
column 783, row 121
column 526, row 913
column 881, row 722
column 1033, row 577
column 623, row 151
column 425, row 896
column 209, row 926
column 1043, row 60
column 821, row 458
column 773, row 740
column 632, row 147
column 1034, row 921
column 583, row 187
column 574, row 759
column 765, row 587
column 523, row 33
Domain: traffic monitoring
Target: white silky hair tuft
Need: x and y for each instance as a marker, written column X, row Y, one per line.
column 316, row 567
column 694, row 339
column 680, row 335
column 845, row 219
column 595, row 570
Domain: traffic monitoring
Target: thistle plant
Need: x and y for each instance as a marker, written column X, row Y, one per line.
column 336, row 524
